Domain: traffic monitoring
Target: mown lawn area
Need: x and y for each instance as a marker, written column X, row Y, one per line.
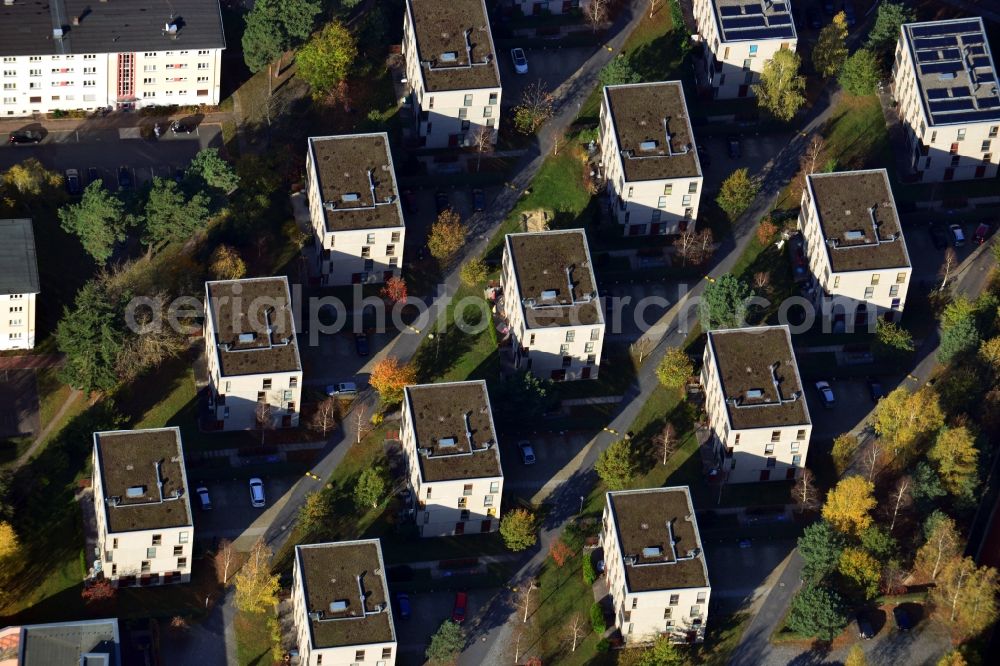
column 453, row 354
column 253, row 640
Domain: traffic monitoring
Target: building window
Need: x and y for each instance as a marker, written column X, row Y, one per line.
column 695, row 611
column 390, row 250
column 359, row 655
column 570, row 336
column 737, row 440
column 149, row 81
column 370, row 239
column 869, row 292
column 563, row 350
column 933, row 137
column 753, row 50
column 394, row 261
column 463, row 113
column 675, row 599
column 531, row 339
column 494, row 486
column 387, row 653
column 875, row 278
column 635, row 603
column 836, row 281
column 768, row 449
column 775, row 435
column 293, row 382
column 686, row 200
column 693, row 187
column 488, row 500
column 467, row 101
column 666, row 613
column 183, row 537
column 993, row 131
column 595, row 334
column 961, row 135
column 801, row 434
column 462, row 503
column 494, row 97
column 428, row 493
column 900, row 278
column 467, row 489
column 157, row 539
column 797, row 460
column 668, row 189
column 986, row 146
column 266, row 384
column 144, row 567
column 771, row 462
column 114, row 543
column 894, row 290
column 795, row 447
column 588, row 348
column 661, row 202
column 366, row 251
column 746, row 65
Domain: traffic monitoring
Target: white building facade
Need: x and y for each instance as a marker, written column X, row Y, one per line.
column 550, row 300
column 19, row 284
column 652, row 171
column 945, row 82
column 739, row 37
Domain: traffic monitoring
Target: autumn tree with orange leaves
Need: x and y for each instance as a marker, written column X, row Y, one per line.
column 389, row 377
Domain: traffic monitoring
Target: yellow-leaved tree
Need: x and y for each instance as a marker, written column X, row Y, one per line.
column 907, row 419
column 848, row 505
column 9, row 544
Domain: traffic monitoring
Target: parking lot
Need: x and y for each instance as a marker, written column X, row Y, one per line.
column 755, row 152
column 737, row 572
column 429, row 610
column 107, row 151
column 551, row 66
column 553, row 451
column 231, row 512
column 853, row 404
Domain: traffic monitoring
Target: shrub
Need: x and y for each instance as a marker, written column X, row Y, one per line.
column 597, row 619
column 589, row 575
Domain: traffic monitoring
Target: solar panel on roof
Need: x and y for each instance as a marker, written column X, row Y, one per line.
column 940, row 67
column 743, row 22
column 981, row 61
column 951, row 54
column 753, row 9
column 961, row 117
column 973, row 39
column 779, row 7
column 763, row 33
column 935, row 42
column 984, row 77
column 729, row 11
column 937, row 93
column 976, row 49
column 989, row 103
column 951, row 105
column 941, row 29
column 780, row 20
column 960, row 91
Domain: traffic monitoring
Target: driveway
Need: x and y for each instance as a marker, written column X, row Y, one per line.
column 853, row 403
column 428, row 611
column 551, row 66
column 927, row 259
column 737, row 574
column 756, row 151
column 231, row 514
column 630, row 309
column 553, row 452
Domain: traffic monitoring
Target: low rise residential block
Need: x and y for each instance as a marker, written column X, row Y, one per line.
column 945, row 83
column 554, row 316
column 354, row 209
column 756, row 408
column 452, row 458
column 655, row 565
column 855, row 248
column 739, row 37
column 19, row 285
column 452, row 72
column 342, row 613
column 77, row 643
column 254, row 369
column 145, row 533
column 653, row 175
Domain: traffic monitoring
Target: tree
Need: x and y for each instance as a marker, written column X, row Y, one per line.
column 675, row 369
column 256, row 588
column 370, row 488
column 653, row 4
column 576, row 630
column 446, row 237
column 724, row 303
column 388, row 377
column 860, row 73
column 892, row 340
column 665, row 441
column 560, row 552
column 955, row 454
column 686, row 246
column 848, row 505
column 878, row 543
column 872, row 457
column 315, row 511
column 596, row 12
column 958, row 309
column 817, row 611
column 98, row 593
column 9, row 544
column 536, row 105
column 900, row 498
column 766, row 230
column 830, row 51
column 91, row 337
column 521, row 396
column 804, row 492
column 99, row 221
column 618, row 71
column 226, row 264
column 30, row 178
column 150, row 348
column 861, row 570
column 844, row 448
column 616, row 465
column 885, row 31
column 518, row 529
column 989, row 354
column 589, row 574
column 959, row 339
column 662, row 652
column 327, row 58
column 820, row 547
column 942, row 542
column 264, row 416
column 209, row 168
column 856, row 655
column 926, row 487
column 474, row 272
column 704, row 243
column 965, row 597
column 737, row 193
column 947, row 266
column 326, row 416
column 273, row 27
column 169, row 216
column 953, row 658
column 446, row 643
column 905, row 419
column 395, row 289
column 781, row 87
column 224, row 560
column 482, row 141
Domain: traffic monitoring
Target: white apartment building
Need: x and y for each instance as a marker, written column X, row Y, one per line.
column 81, row 642
column 70, row 55
column 945, row 83
column 145, row 534
column 738, row 38
column 19, row 284
column 550, row 300
column 545, row 7
column 341, row 608
column 354, row 209
column 254, row 370
column 451, row 70
column 652, row 171
column 756, row 408
column 452, row 459
column 855, row 248
column 655, row 565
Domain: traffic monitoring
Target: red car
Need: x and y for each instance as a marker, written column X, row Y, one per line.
column 982, row 231
column 458, row 612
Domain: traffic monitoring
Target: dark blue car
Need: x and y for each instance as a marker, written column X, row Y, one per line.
column 403, row 603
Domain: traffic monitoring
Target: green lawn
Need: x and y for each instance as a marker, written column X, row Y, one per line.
column 453, row 354
column 253, row 640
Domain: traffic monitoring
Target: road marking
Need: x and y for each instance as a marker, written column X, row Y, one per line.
column 710, row 278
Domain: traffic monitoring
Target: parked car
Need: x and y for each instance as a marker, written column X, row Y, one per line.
column 361, row 344
column 203, row 499
column 124, row 178
column 92, row 175
column 458, row 612
column 745, row 543
column 982, row 231
column 865, row 630
column 826, row 394
column 73, row 182
column 180, row 128
column 441, row 201
column 904, row 622
column 957, row 235
column 403, row 603
column 939, row 236
column 527, row 453
column 25, row 136
column 735, row 150
column 875, row 389
column 520, row 61
column 257, row 493
column 478, row 200
column 344, row 388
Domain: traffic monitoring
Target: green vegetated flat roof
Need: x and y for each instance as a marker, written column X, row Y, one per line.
column 441, row 27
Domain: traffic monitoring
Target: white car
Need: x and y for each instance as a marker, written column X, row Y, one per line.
column 527, row 453
column 257, row 493
column 344, row 388
column 520, row 61
column 826, row 393
column 957, row 235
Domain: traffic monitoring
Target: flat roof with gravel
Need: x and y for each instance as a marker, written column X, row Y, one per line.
column 454, row 44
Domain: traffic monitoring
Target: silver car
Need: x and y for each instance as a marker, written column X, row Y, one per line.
column 527, row 453
column 520, row 60
column 257, row 493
